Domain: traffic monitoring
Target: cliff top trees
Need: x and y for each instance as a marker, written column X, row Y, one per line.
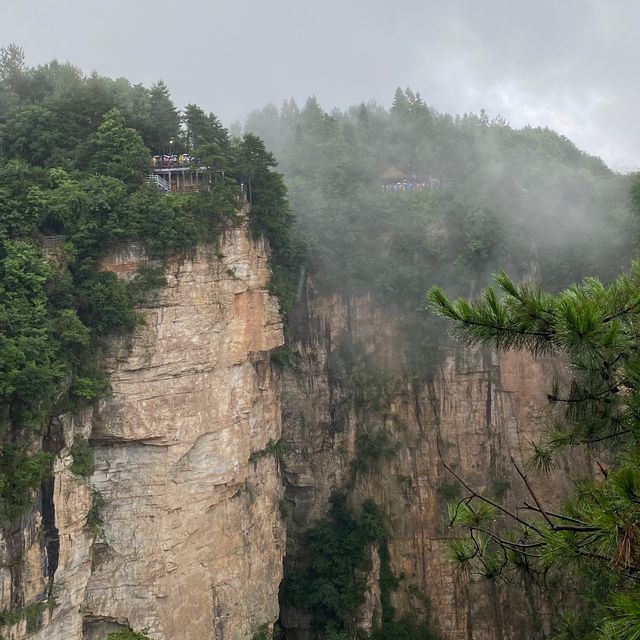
column 119, row 151
column 73, row 157
column 597, row 533
column 202, row 129
column 164, row 119
column 270, row 215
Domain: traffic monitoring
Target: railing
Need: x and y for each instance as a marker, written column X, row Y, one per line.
column 433, row 183
column 159, row 181
column 51, row 242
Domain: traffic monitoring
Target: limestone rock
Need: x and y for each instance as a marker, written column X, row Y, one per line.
column 476, row 411
column 191, row 543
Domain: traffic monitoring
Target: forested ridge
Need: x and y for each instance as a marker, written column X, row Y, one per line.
column 75, row 154
column 526, row 200
column 396, row 201
column 505, row 197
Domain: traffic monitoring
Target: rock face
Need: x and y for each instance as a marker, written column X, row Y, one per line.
column 189, row 484
column 475, row 412
column 191, row 540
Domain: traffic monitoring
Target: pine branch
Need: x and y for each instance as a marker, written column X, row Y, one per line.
column 475, row 494
column 533, row 495
column 528, row 507
column 517, row 546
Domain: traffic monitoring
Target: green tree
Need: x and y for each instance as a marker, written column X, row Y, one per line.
column 18, row 182
column 596, row 535
column 253, row 163
column 202, row 129
column 163, row 120
column 271, row 216
column 30, row 364
column 13, row 76
column 30, row 134
column 330, row 575
column 119, row 151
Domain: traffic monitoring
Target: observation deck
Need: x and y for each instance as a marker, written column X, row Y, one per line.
column 178, row 173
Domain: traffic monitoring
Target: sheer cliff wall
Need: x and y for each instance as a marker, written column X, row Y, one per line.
column 191, row 541
column 476, row 411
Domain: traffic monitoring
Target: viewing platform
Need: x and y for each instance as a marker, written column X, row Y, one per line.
column 393, row 180
column 178, row 173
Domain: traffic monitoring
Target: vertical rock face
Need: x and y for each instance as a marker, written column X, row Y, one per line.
column 477, row 411
column 191, row 541
column 191, row 544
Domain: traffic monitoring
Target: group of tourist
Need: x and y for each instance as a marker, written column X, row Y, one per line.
column 406, row 185
column 170, row 161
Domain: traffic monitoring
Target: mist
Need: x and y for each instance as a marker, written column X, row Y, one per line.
column 520, row 197
column 238, row 209
column 569, row 69
column 469, row 195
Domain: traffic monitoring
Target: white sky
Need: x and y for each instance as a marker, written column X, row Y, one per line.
column 567, row 64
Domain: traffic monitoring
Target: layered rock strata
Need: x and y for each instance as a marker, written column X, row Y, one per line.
column 190, row 542
column 188, row 488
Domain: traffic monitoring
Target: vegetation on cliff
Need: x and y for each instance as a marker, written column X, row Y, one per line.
column 74, row 157
column 595, row 537
column 329, row 575
column 129, row 635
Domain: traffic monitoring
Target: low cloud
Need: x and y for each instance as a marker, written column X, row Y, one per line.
column 569, row 65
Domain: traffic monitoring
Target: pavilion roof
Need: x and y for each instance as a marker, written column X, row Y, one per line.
column 393, row 174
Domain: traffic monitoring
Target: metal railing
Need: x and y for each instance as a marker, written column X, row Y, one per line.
column 159, row 181
column 51, row 242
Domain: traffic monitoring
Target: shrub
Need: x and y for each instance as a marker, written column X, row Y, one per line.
column 372, row 447
column 31, row 613
column 94, row 516
column 129, row 634
column 82, row 453
column 148, row 278
column 276, row 448
column 500, row 487
column 450, row 490
column 264, row 632
column 282, row 356
column 20, row 474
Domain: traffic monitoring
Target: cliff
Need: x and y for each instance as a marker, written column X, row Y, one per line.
column 474, row 412
column 180, row 528
column 186, row 537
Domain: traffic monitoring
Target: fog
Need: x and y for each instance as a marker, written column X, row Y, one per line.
column 506, row 195
column 569, row 65
column 395, row 201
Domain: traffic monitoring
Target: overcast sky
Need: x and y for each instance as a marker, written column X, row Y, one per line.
column 568, row 64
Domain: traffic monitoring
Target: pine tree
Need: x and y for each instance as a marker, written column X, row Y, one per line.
column 597, row 534
column 119, row 151
column 164, row 119
column 203, row 129
column 12, row 65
